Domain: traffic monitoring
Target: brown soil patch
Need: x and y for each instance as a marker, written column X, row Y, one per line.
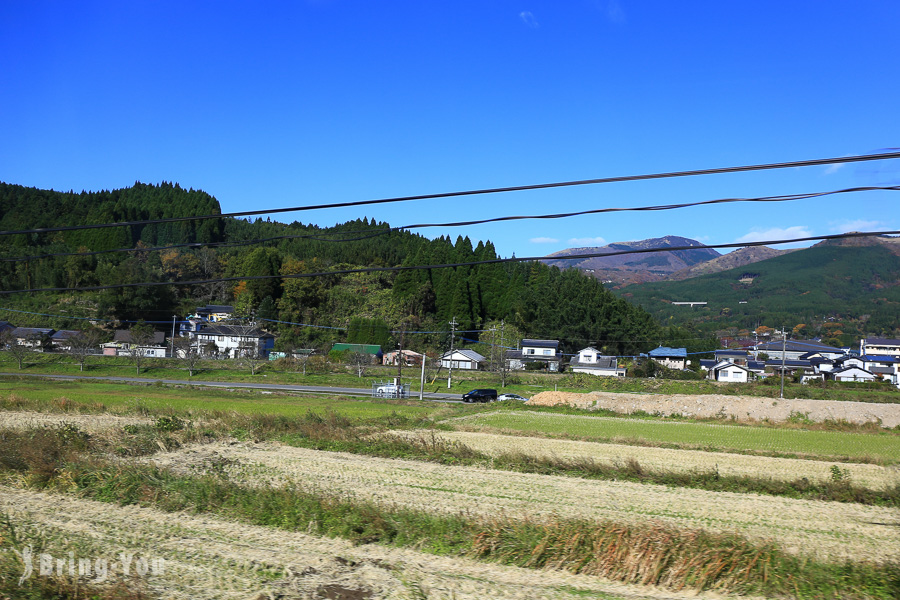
column 740, row 408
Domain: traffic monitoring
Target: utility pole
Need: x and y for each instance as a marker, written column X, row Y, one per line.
column 502, row 356
column 172, row 352
column 452, row 337
column 422, row 380
column 783, row 345
column 400, row 355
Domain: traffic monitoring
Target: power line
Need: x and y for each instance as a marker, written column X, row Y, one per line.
column 540, row 186
column 451, row 265
column 779, row 198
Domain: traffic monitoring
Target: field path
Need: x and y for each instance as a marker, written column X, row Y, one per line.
column 825, row 530
column 211, row 558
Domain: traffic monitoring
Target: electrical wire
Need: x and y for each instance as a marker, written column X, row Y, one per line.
column 780, row 198
column 452, row 265
column 270, row 211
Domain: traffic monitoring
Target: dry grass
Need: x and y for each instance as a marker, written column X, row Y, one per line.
column 672, row 460
column 823, row 530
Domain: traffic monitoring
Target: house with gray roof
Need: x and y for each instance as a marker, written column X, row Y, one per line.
column 462, row 359
column 592, row 361
column 795, row 349
column 545, row 352
column 36, row 338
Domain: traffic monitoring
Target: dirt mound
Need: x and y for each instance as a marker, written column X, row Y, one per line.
column 740, row 408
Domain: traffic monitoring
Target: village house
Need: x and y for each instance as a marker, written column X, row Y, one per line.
column 544, row 352
column 729, row 372
column 462, row 359
column 235, row 341
column 590, row 360
column 410, row 358
column 123, row 344
column 794, row 350
column 671, row 358
column 60, row 340
column 880, row 347
column 35, row 338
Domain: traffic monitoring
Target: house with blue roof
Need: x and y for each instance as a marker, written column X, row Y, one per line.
column 672, row 358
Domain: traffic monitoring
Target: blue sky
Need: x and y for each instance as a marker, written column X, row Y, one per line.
column 279, row 104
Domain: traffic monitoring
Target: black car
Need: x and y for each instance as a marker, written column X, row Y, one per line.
column 483, row 395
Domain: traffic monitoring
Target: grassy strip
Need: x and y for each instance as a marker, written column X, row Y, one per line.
column 651, row 554
column 861, row 447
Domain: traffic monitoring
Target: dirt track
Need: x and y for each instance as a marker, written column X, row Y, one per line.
column 741, row 408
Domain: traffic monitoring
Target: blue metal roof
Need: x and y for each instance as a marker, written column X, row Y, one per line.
column 662, row 351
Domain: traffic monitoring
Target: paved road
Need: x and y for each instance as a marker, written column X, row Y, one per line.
column 311, row 389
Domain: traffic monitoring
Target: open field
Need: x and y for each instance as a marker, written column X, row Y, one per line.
column 823, row 530
column 421, row 508
column 673, row 460
column 884, row 447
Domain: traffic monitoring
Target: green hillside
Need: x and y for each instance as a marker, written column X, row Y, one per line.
column 531, row 298
column 857, row 286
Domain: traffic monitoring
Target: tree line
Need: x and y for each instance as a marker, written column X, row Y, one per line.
column 534, row 299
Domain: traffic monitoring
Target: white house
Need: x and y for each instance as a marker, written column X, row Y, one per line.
column 462, row 359
column 123, row 345
column 729, row 372
column 534, row 351
column 852, row 374
column 235, row 341
column 590, row 360
column 880, row 347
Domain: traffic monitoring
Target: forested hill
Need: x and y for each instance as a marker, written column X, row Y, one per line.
column 32, row 208
column 531, row 299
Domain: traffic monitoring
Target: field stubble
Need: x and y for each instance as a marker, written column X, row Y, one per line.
column 822, row 530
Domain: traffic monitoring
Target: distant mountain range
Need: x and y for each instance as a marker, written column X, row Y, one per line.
column 626, row 269
column 853, row 281
column 677, row 265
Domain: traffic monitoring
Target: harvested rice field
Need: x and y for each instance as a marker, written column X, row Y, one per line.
column 821, row 530
column 205, row 557
column 244, row 526
column 674, row 460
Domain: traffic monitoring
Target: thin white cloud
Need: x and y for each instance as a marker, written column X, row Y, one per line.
column 588, row 241
column 529, row 19
column 857, row 225
column 544, row 240
column 611, row 9
column 775, row 233
column 832, row 169
column 614, row 12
